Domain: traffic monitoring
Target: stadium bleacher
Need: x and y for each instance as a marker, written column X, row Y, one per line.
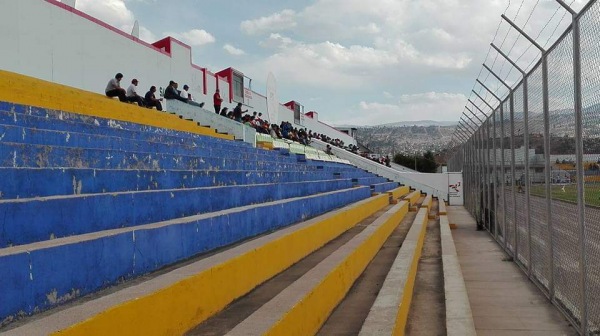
column 91, row 201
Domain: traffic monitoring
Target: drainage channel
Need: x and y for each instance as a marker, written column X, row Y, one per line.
column 350, row 314
column 240, row 309
column 427, row 315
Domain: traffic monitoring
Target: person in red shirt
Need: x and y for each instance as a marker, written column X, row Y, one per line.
column 217, row 100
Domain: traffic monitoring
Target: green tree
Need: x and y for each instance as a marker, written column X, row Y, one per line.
column 424, row 163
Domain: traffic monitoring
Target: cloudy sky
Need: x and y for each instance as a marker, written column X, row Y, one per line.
column 353, row 61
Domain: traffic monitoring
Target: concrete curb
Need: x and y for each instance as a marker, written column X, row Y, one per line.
column 459, row 318
column 398, row 192
column 413, row 197
column 303, row 307
column 442, row 208
column 389, row 313
column 427, row 203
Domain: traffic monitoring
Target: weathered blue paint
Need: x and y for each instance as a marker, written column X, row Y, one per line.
column 66, row 168
column 100, row 125
column 67, row 271
column 386, row 186
column 38, row 219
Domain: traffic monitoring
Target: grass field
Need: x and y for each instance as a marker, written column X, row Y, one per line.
column 568, row 192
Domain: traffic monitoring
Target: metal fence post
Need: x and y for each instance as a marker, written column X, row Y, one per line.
column 512, row 170
column 495, row 175
column 548, row 172
column 497, row 183
column 503, row 177
column 527, row 179
column 580, row 170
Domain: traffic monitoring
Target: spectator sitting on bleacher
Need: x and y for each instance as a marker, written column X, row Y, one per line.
column 114, row 89
column 150, row 99
column 185, row 94
column 328, row 150
column 224, row 112
column 302, row 134
column 265, row 127
column 237, row 112
column 246, row 120
column 132, row 95
column 275, row 131
column 286, row 129
column 171, row 92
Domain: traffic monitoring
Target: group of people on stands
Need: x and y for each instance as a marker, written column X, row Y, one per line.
column 149, row 100
column 283, row 131
column 382, row 160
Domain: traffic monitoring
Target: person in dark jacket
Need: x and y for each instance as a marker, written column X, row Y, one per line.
column 171, row 92
column 150, row 99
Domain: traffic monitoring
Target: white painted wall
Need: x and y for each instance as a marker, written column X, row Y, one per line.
column 46, row 41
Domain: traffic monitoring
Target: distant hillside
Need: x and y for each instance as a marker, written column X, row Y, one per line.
column 410, row 123
column 420, row 123
column 387, row 139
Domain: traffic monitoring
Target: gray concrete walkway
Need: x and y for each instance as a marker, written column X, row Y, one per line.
column 503, row 300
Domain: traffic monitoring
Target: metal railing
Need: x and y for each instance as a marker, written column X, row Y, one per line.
column 531, row 170
column 390, row 173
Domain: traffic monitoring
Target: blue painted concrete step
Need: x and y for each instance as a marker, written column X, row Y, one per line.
column 371, row 180
column 25, row 155
column 102, row 123
column 31, row 220
column 68, row 127
column 41, row 182
column 383, row 187
column 16, row 134
column 63, row 269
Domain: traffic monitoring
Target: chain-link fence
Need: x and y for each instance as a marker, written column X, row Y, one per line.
column 531, row 171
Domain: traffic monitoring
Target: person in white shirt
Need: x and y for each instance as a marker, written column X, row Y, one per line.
column 185, row 94
column 113, row 88
column 132, row 96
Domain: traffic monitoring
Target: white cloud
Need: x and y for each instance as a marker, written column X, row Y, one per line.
column 116, row 14
column 147, row 35
column 194, row 37
column 371, row 28
column 276, row 41
column 409, row 107
column 233, row 50
column 283, row 20
column 113, row 12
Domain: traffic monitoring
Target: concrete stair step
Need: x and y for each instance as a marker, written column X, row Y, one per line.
column 303, row 306
column 215, row 280
column 25, row 155
column 93, row 126
column 115, row 115
column 40, row 182
column 389, row 312
column 53, row 217
column 17, row 134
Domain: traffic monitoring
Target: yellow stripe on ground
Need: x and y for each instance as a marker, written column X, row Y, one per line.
column 24, row 90
column 185, row 304
column 404, row 309
column 307, row 317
